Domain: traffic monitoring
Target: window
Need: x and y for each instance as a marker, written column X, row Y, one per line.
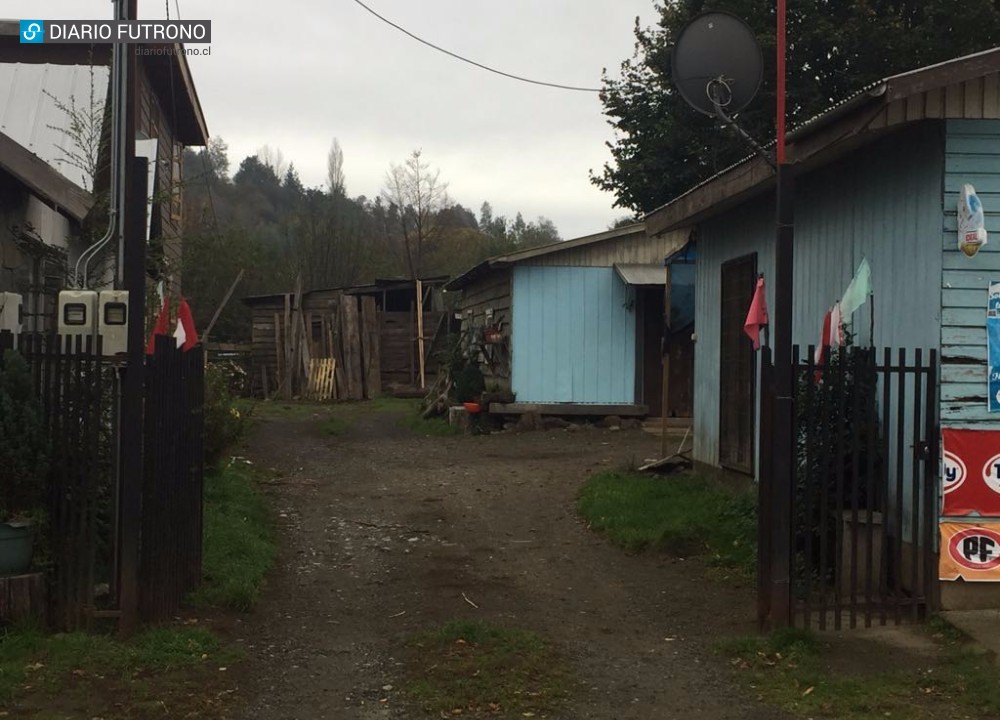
column 115, row 313
column 176, row 181
column 75, row 314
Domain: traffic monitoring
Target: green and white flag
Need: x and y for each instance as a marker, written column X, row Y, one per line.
column 858, row 291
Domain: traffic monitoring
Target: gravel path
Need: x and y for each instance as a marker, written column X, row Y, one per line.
column 385, row 532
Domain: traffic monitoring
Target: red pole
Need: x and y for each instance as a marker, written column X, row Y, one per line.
column 780, row 36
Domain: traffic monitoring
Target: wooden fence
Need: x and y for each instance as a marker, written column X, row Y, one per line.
column 80, row 392
column 173, row 479
column 77, row 390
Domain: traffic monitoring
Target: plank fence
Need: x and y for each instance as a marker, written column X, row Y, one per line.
column 80, row 393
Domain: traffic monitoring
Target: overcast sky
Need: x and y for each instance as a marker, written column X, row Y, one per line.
column 296, row 75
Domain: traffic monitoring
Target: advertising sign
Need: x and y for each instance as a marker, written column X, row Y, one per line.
column 971, row 478
column 993, row 346
column 970, row 551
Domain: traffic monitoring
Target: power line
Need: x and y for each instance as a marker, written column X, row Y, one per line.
column 473, row 62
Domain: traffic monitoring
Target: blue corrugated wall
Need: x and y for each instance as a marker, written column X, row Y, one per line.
column 882, row 202
column 573, row 336
column 972, row 155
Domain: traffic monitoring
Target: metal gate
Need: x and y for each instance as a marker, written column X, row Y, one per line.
column 864, row 506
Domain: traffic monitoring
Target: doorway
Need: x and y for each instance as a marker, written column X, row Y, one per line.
column 737, row 367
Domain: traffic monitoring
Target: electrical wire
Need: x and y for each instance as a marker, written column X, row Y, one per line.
column 403, row 30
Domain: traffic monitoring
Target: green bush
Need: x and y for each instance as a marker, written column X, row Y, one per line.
column 23, row 444
column 224, row 422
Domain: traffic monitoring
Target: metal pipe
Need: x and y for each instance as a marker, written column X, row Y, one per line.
column 114, row 168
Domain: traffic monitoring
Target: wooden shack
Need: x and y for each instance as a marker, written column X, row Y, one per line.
column 381, row 337
column 577, row 327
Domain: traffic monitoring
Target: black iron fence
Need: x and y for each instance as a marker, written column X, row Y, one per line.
column 864, row 503
column 80, row 392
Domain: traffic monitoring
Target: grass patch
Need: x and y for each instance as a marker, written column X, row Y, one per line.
column 239, row 541
column 33, row 664
column 790, row 670
column 474, row 668
column 684, row 515
column 336, row 425
column 436, row 426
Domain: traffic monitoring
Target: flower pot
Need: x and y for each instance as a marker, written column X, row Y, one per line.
column 472, row 407
column 16, row 546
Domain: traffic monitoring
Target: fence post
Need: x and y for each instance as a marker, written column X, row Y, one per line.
column 765, row 489
column 132, row 416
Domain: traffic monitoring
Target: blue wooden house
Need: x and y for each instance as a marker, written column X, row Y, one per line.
column 575, row 327
column 878, row 177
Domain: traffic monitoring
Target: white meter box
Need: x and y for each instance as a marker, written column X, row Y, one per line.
column 77, row 313
column 11, row 312
column 112, row 321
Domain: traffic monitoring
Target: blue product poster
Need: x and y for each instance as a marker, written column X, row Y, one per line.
column 993, row 345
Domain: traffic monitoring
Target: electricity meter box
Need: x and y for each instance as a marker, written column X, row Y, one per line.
column 11, row 312
column 112, row 321
column 77, row 313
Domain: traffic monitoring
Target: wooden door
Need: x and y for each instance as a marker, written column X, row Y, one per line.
column 737, row 367
column 649, row 302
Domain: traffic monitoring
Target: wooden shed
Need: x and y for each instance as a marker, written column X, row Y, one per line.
column 577, row 327
column 374, row 332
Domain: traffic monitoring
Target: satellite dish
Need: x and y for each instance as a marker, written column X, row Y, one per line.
column 717, row 64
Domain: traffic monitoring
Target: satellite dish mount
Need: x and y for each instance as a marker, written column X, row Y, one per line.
column 717, row 68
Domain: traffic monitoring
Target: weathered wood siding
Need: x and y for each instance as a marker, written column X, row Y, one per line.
column 972, row 155
column 882, row 202
column 636, row 248
column 153, row 122
column 488, row 302
column 973, row 99
column 574, row 336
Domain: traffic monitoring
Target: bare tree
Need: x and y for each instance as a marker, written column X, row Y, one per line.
column 84, row 132
column 418, row 195
column 274, row 159
column 335, row 169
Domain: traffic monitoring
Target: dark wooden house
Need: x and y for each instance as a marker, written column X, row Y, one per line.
column 48, row 197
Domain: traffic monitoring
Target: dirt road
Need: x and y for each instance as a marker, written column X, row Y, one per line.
column 385, row 532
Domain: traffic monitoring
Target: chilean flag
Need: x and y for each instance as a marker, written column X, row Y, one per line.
column 185, row 334
column 162, row 326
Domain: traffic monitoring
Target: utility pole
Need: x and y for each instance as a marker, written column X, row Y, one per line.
column 132, row 275
column 784, row 381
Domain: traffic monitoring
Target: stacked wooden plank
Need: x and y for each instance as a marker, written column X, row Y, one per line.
column 330, row 354
column 321, row 379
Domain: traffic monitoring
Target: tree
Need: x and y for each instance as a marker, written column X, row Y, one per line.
column 662, row 147
column 335, row 169
column 274, row 159
column 417, row 195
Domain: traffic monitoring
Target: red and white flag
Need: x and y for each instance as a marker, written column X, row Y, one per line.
column 832, row 335
column 162, row 326
column 757, row 315
column 185, row 334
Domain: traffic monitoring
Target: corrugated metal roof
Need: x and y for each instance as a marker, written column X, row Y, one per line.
column 29, row 108
column 498, row 261
column 641, row 274
column 972, row 65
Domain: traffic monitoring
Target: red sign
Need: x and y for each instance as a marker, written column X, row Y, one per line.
column 971, row 552
column 971, row 480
